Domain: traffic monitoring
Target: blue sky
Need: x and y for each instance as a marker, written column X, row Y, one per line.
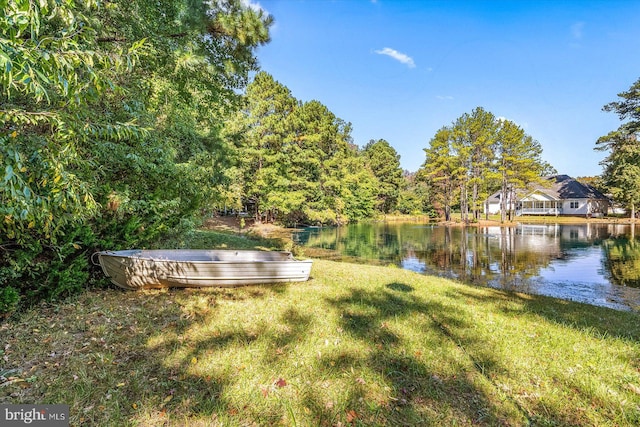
column 400, row 70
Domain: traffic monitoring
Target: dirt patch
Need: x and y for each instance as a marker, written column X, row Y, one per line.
column 228, row 223
column 249, row 226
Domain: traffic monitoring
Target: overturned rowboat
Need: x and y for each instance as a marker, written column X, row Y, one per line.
column 143, row 269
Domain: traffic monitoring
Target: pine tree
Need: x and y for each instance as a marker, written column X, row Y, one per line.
column 442, row 170
column 384, row 162
column 518, row 163
column 621, row 174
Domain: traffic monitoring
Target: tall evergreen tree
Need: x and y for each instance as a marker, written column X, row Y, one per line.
column 518, row 163
column 621, row 174
column 474, row 140
column 356, row 200
column 384, row 162
column 263, row 150
column 442, row 170
column 477, row 154
column 297, row 161
column 320, row 137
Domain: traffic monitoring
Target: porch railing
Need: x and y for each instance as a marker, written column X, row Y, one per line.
column 538, row 211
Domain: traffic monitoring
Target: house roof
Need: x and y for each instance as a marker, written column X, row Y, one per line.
column 495, row 197
column 565, row 187
column 561, row 187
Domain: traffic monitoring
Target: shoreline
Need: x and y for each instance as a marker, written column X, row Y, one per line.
column 234, row 224
column 535, row 220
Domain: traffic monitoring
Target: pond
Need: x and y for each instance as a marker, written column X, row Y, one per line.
column 597, row 264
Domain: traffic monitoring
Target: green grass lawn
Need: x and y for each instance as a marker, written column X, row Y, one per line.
column 355, row 345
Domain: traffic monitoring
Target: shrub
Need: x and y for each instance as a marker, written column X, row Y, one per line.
column 9, row 298
column 32, row 271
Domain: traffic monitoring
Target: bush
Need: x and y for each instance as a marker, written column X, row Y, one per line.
column 32, row 272
column 9, row 299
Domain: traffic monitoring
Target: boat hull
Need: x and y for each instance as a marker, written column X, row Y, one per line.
column 144, row 269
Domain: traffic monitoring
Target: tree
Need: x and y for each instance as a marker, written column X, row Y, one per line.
column 621, row 174
column 518, row 163
column 53, row 77
column 476, row 155
column 297, row 160
column 52, row 74
column 442, row 170
column 357, row 190
column 262, row 150
column 110, row 125
column 197, row 57
column 320, row 138
column 415, row 198
column 384, row 162
column 474, row 137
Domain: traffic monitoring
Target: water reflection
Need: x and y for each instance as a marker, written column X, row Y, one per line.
column 594, row 263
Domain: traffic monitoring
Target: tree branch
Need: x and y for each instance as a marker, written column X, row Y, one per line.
column 117, row 39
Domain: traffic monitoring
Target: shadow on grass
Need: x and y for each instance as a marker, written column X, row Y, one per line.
column 122, row 357
column 204, row 357
column 607, row 327
column 205, row 389
column 395, row 286
column 599, row 321
column 387, row 322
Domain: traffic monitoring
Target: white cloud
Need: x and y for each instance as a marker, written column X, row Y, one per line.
column 445, row 97
column 254, row 5
column 577, row 30
column 398, row 56
column 523, row 125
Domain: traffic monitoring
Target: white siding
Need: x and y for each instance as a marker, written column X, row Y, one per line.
column 494, row 208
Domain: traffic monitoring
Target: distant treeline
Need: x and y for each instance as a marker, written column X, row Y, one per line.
column 297, row 164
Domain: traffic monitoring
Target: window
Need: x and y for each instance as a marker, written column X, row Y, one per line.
column 574, row 205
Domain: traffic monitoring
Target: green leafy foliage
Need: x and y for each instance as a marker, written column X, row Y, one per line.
column 621, row 174
column 51, row 73
column 110, row 127
column 384, row 162
column 296, row 162
column 476, row 156
column 40, row 271
column 9, row 299
column 416, row 197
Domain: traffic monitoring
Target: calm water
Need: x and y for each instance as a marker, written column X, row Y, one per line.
column 594, row 263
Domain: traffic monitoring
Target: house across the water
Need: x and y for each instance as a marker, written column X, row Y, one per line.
column 560, row 195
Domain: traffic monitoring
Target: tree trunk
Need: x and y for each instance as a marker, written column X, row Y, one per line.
column 503, row 200
column 464, row 209
column 474, row 200
column 512, row 196
column 447, row 201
